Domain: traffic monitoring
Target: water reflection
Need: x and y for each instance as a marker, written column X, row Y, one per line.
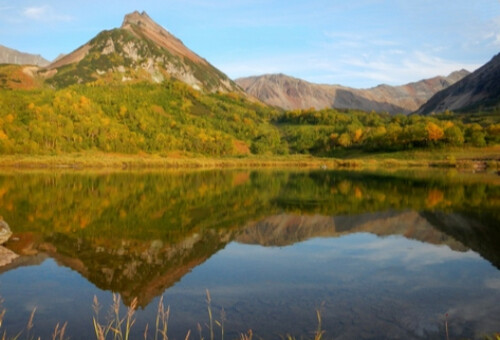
column 388, row 255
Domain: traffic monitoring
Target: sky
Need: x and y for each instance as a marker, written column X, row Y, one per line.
column 357, row 43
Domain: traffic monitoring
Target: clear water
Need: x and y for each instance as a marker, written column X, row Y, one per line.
column 381, row 256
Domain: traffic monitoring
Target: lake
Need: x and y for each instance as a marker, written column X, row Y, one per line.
column 380, row 255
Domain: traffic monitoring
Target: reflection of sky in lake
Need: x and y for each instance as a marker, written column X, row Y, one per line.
column 365, row 286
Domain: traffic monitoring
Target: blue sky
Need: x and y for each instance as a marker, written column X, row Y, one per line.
column 358, row 43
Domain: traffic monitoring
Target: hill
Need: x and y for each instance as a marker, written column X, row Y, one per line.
column 11, row 56
column 480, row 89
column 19, row 77
column 292, row 93
column 131, row 118
column 139, row 50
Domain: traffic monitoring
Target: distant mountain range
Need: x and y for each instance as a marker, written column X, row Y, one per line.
column 292, row 93
column 480, row 89
column 142, row 50
column 11, row 56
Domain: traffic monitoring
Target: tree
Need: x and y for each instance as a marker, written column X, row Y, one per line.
column 454, row 136
column 434, row 132
column 477, row 138
column 345, row 140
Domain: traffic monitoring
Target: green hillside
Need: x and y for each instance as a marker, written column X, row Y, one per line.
column 141, row 117
column 173, row 117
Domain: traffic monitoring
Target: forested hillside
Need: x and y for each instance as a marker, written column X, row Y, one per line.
column 173, row 117
column 143, row 117
column 326, row 131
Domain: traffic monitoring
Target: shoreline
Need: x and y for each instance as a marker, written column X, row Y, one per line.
column 81, row 161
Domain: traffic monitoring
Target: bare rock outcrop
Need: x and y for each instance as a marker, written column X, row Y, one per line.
column 6, row 255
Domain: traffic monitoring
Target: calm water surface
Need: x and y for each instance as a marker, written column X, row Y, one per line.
column 382, row 256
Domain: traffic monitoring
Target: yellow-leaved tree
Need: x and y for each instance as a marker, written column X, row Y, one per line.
column 434, row 132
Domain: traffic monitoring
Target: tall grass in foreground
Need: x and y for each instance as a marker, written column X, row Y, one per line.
column 118, row 326
column 27, row 334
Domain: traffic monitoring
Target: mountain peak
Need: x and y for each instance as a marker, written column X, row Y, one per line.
column 140, row 49
column 458, row 74
column 141, row 25
column 137, row 18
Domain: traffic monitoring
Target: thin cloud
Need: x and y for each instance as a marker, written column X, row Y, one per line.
column 45, row 14
column 413, row 66
column 393, row 67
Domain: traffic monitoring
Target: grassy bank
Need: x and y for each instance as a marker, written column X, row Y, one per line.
column 464, row 158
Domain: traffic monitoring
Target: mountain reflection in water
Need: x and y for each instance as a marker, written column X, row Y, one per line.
column 384, row 253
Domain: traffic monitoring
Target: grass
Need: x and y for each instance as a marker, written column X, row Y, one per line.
column 117, row 325
column 462, row 158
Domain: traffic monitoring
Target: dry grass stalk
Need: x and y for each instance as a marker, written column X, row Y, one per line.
column 59, row 332
column 247, row 336
column 146, row 331
column 162, row 317
column 221, row 322
column 200, row 331
column 210, row 319
column 319, row 333
column 116, row 321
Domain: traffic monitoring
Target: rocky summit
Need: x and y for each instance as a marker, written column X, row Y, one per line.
column 139, row 50
column 292, row 93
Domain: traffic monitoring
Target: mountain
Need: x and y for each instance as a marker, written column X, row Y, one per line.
column 479, row 89
column 139, row 50
column 286, row 229
column 145, row 268
column 10, row 56
column 292, row 93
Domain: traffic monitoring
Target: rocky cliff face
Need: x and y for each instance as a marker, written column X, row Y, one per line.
column 139, row 50
column 292, row 93
column 10, row 56
column 479, row 89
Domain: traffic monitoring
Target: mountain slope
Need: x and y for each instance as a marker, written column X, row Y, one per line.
column 292, row 93
column 286, row 229
column 479, row 89
column 10, row 56
column 19, row 77
column 139, row 50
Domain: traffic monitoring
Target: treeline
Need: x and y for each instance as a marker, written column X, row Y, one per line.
column 324, row 131
column 172, row 117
